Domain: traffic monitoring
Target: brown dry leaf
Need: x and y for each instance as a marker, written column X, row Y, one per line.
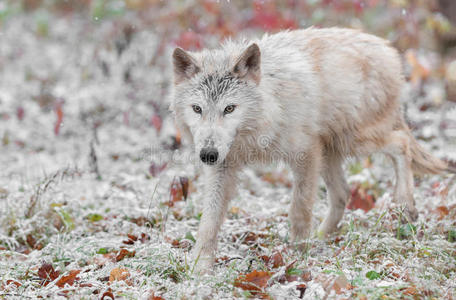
column 184, row 184
column 175, row 193
column 277, row 178
column 410, row 291
column 107, row 294
column 31, row 241
column 276, row 259
column 333, row 283
column 47, row 273
column 124, row 253
column 360, row 199
column 419, row 71
column 441, row 212
column 10, row 281
column 144, row 237
column 153, row 297
column 254, row 281
column 68, row 279
column 302, row 289
column 119, row 274
column 131, row 239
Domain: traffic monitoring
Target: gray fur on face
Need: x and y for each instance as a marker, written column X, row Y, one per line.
column 214, row 86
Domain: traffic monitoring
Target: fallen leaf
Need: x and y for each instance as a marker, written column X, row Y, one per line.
column 419, row 70
column 124, row 253
column 155, row 169
column 277, row 179
column 276, row 260
column 153, row 297
column 144, row 237
column 32, row 242
column 20, row 113
column 184, row 186
column 302, row 289
column 411, row 290
column 119, row 274
column 47, row 273
column 361, row 199
column 254, row 281
column 131, row 239
column 68, row 279
column 175, row 193
column 441, row 212
column 10, row 281
column 109, row 294
column 59, row 114
column 156, row 122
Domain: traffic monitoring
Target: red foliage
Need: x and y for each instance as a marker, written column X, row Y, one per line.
column 254, row 282
column 189, row 40
column 267, row 17
column 59, row 114
column 47, row 273
column 361, row 199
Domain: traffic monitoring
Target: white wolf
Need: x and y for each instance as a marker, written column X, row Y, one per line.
column 308, row 97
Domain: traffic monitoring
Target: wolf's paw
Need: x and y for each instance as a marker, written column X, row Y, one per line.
column 411, row 213
column 325, row 229
column 299, row 233
column 203, row 264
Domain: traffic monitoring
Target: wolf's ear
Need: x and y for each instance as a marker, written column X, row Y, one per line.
column 248, row 64
column 185, row 66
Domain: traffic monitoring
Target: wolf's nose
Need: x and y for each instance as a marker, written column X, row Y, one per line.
column 209, row 155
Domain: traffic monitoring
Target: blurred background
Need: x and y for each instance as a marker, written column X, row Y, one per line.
column 83, row 68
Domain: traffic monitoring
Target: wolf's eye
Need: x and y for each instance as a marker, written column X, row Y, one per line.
column 229, row 109
column 196, row 109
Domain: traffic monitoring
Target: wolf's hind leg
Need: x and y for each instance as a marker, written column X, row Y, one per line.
column 398, row 148
column 306, row 172
column 338, row 193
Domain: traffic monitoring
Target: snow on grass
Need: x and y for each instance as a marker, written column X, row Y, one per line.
column 55, row 208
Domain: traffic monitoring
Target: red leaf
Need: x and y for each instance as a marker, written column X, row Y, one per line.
column 360, row 199
column 267, row 17
column 10, row 281
column 144, row 237
column 178, row 190
column 276, row 260
column 59, row 113
column 20, row 113
column 255, row 281
column 108, row 294
column 47, row 273
column 302, row 289
column 131, row 239
column 189, row 40
column 124, row 253
column 184, row 185
column 442, row 212
column 157, row 122
column 154, row 169
column 68, row 279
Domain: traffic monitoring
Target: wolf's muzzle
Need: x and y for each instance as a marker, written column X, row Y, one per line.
column 209, row 155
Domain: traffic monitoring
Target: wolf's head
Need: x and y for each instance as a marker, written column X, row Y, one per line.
column 216, row 98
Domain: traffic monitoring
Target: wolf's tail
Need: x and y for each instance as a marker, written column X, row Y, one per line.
column 425, row 163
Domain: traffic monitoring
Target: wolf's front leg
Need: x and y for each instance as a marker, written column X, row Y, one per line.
column 306, row 170
column 220, row 185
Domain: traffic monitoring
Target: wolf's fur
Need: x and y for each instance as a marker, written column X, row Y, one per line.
column 308, row 97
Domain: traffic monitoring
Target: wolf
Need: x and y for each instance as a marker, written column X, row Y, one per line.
column 310, row 98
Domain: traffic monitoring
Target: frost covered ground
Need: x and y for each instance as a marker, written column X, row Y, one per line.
column 91, row 202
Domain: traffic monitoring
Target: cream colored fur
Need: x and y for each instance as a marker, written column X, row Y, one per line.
column 308, row 97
